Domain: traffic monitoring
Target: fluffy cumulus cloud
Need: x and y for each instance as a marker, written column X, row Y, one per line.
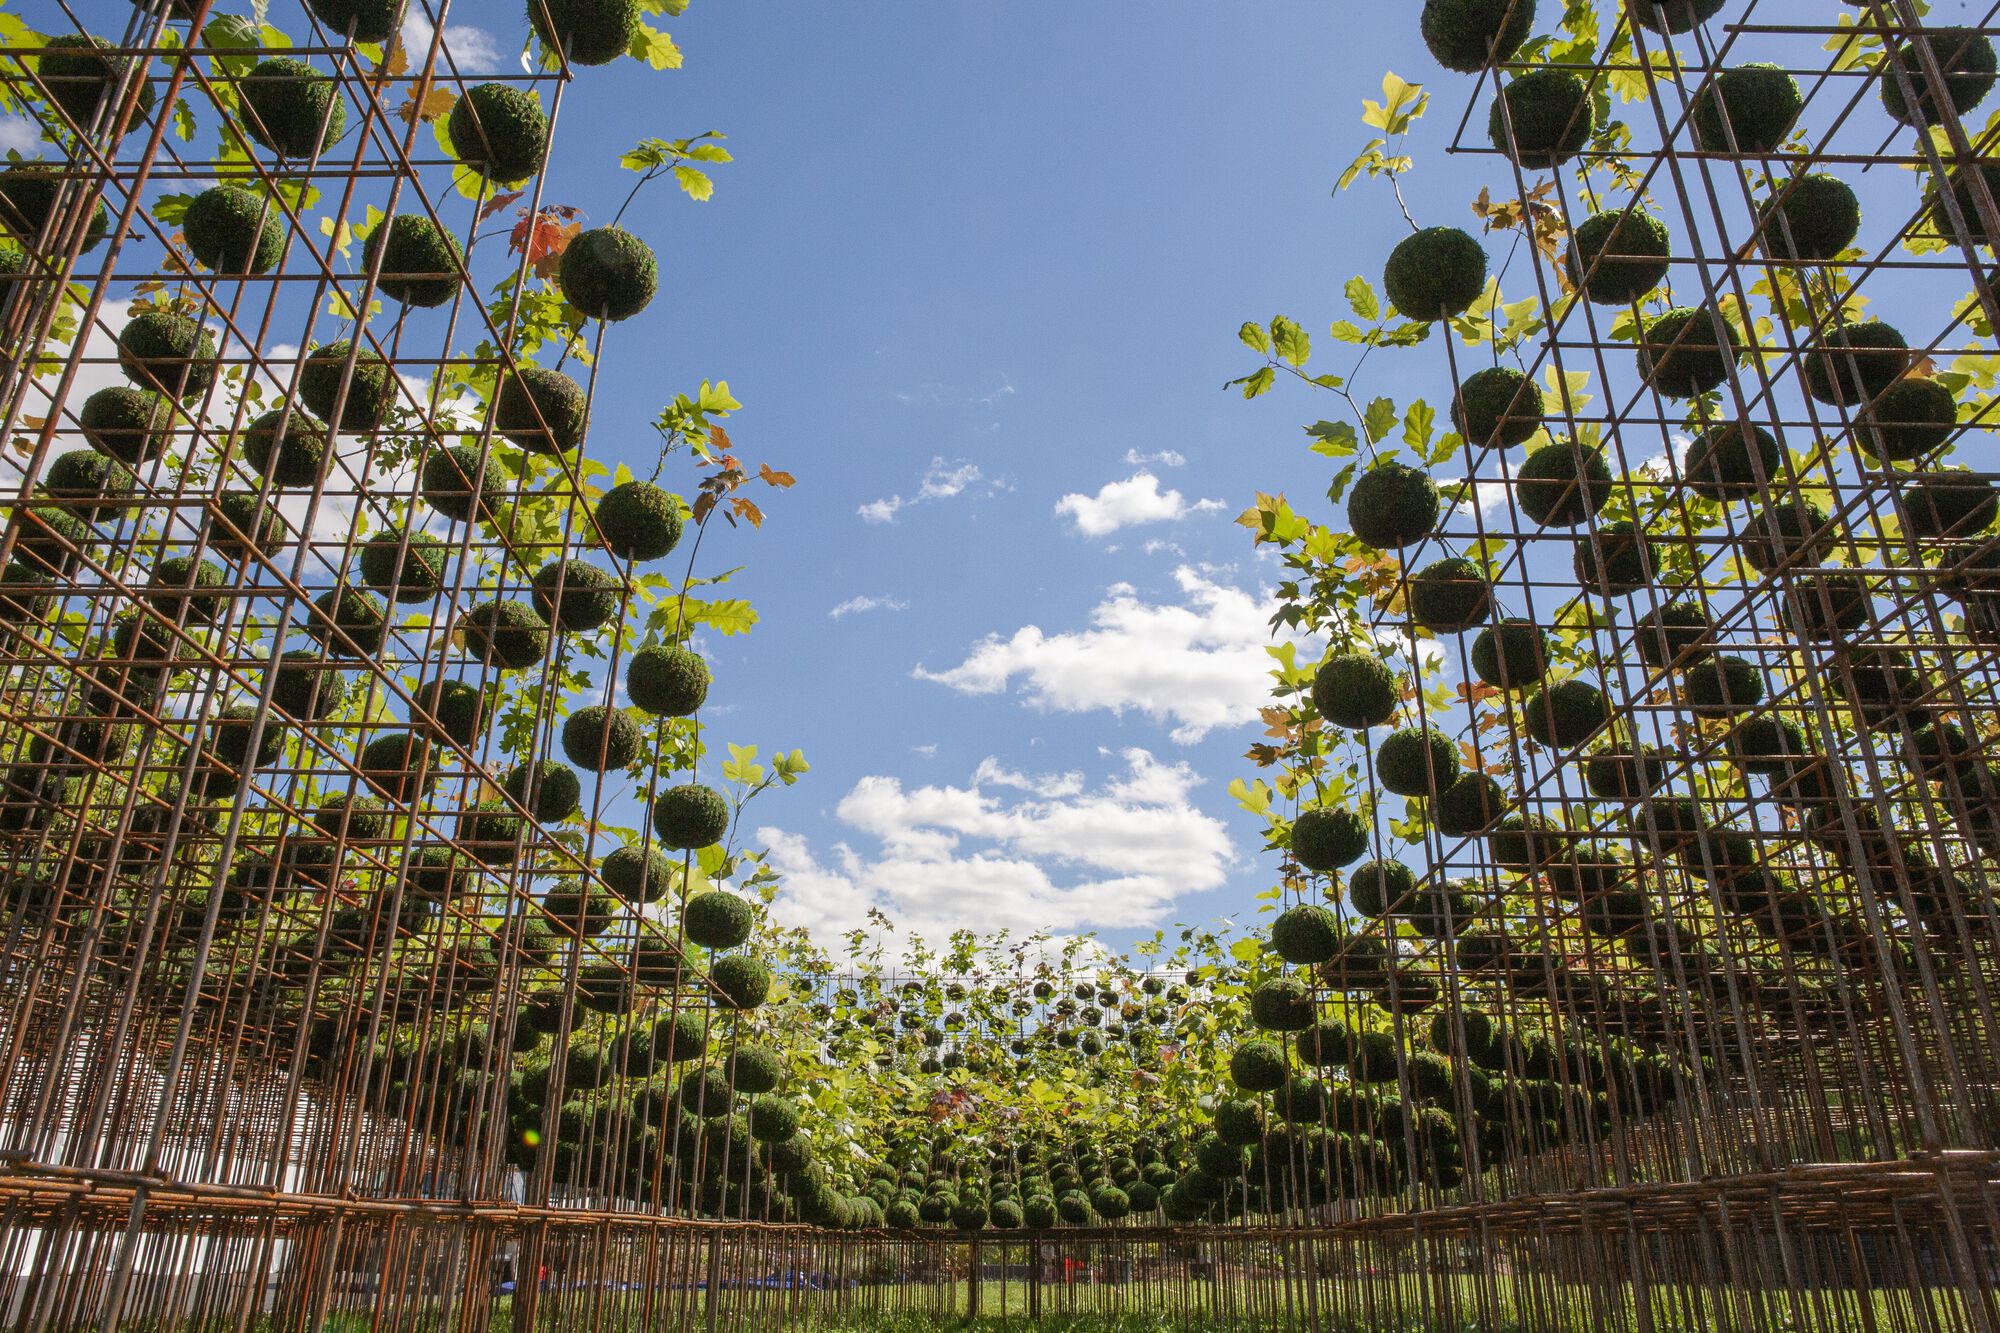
column 1008, row 851
column 1122, row 504
column 1195, row 664
column 942, row 481
column 473, row 50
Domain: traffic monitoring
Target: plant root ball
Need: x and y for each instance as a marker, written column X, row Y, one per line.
column 1498, row 406
column 359, row 20
column 1328, row 838
column 506, row 633
column 448, row 483
column 1563, row 483
column 421, row 263
column 411, row 571
column 1948, row 503
column 1963, row 55
column 290, row 108
column 234, row 230
column 349, row 622
column 667, row 681
column 745, row 982
column 1680, row 357
column 551, row 792
column 1551, row 116
column 575, row 596
column 398, row 766
column 181, row 580
column 1754, row 105
column 87, row 482
column 1435, row 274
column 371, row 390
column 690, row 817
column 1305, row 935
column 291, row 452
column 1722, row 686
column 608, row 273
column 1510, row 655
column 1259, row 1066
column 1450, row 596
column 1907, row 420
column 1616, row 560
column 1617, row 257
column 309, row 687
column 775, row 1120
column 28, row 197
column 1469, row 35
column 1791, row 527
column 602, row 739
column 499, row 131
column 1670, row 632
column 544, row 411
column 1564, row 715
column 1815, row 217
column 1356, row 691
column 1283, row 1005
column 1853, row 364
column 1416, row 761
column 639, row 521
column 1393, row 505
column 638, row 875
column 717, row 919
column 171, row 353
column 1671, row 16
column 1621, row 775
column 132, row 425
column 1731, row 461
column 587, row 32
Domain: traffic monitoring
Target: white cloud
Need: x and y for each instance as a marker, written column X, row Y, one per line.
column 473, row 50
column 1199, row 664
column 858, row 605
column 941, row 481
column 1165, row 458
column 1006, row 390
column 925, row 751
column 1040, row 854
column 1154, row 546
column 1120, row 504
column 20, row 135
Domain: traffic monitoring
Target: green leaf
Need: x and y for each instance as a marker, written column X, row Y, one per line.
column 655, row 48
column 1290, row 340
column 696, row 183
column 1253, row 385
column 1401, row 103
column 1333, row 439
column 1253, row 336
column 1362, row 300
column 1418, row 425
column 1379, row 419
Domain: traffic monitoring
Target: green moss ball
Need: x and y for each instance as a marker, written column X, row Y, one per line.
column 1790, row 528
column 290, row 108
column 397, row 766
column 1498, row 406
column 290, row 450
column 667, row 681
column 181, row 580
column 1615, row 258
column 745, row 982
column 371, row 390
column 1416, row 761
column 636, row 874
column 551, row 792
column 48, row 538
column 1616, row 559
column 1746, row 109
column 1730, row 461
column 1469, row 35
column 421, row 262
column 491, row 833
column 690, row 817
column 1851, row 365
column 1670, row 632
column 24, row 594
column 587, row 32
column 542, row 410
column 448, row 483
column 1523, row 843
column 131, row 425
column 358, row 20
column 1963, row 55
column 234, row 230
column 171, row 353
column 1680, row 357
column 1948, row 503
column 773, row 1120
column 602, row 739
column 575, row 596
column 1832, row 604
column 1670, row 16
column 1282, row 1005
column 639, row 521
column 1039, row 1212
column 1450, row 595
column 1356, row 691
column 457, row 710
column 1563, row 483
column 1511, row 654
column 1907, row 420
column 407, row 567
column 717, row 919
column 1393, row 505
column 349, row 622
column 1961, row 194
column 579, row 909
column 1329, row 837
column 1566, row 714
column 1305, row 935
column 1722, row 686
column 309, row 687
column 1771, row 747
column 505, row 632
column 29, row 197
column 79, row 75
column 1550, row 114
column 1435, row 274
column 1815, row 216
column 499, row 131
column 608, row 273
column 87, row 483
column 1376, row 887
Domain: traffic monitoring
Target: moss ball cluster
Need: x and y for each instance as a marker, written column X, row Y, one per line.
column 290, row 108
column 1851, row 365
column 542, row 410
column 667, row 681
column 1469, row 35
column 1907, row 420
column 1729, row 461
column 639, row 521
column 371, row 390
column 167, row 352
column 638, row 875
column 1815, row 216
column 587, row 32
column 602, row 739
column 505, row 632
column 551, row 792
column 1498, row 406
column 1617, row 257
column 1305, row 935
column 1510, row 654
column 1435, row 274
column 1450, row 596
column 1393, row 505
column 499, row 131
column 234, row 230
column 717, row 919
column 575, row 596
column 1356, row 691
column 131, row 425
column 1746, row 109
column 448, row 483
column 420, row 261
column 1566, row 714
column 1965, row 57
column 1328, row 838
column 608, row 273
column 1563, row 483
column 407, row 567
column 79, row 75
column 1680, row 357
column 690, row 817
column 87, row 483
column 287, row 448
column 1416, row 761
column 1550, row 116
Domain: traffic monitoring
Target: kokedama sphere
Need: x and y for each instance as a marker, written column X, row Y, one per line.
column 1615, row 560
column 1435, row 274
column 1450, row 595
column 1669, row 16
column 407, row 573
column 1468, row 805
column 1304, row 935
column 602, row 739
column 1752, row 105
column 234, row 230
column 588, row 598
column 774, row 1120
column 181, row 580
column 1376, row 887
column 1283, row 1005
column 1510, row 654
column 717, row 919
column 743, row 980
column 420, row 261
column 1963, row 55
column 87, row 482
column 1469, row 35
column 608, row 273
column 396, row 765
column 1614, row 775
column 1328, row 838
column 506, row 633
column 1416, row 761
column 1730, row 461
column 1618, row 257
column 551, row 792
column 308, row 686
column 1562, row 483
column 371, row 390
column 78, row 76
column 28, row 198
column 587, row 32
column 131, row 425
column 1393, row 505
column 1722, row 685
column 1771, row 747
column 290, row 108
column 542, row 410
column 1498, row 406
column 1959, row 192
column 1667, row 632
column 1680, row 357
column 448, row 476
column 1550, row 114
column 499, row 131
column 290, row 450
column 358, row 20
column 1851, row 365
column 1948, row 503
column 639, row 521
column 636, row 875
column 171, row 353
column 1813, row 217
column 1791, row 527
column 349, row 622
column 690, row 816
column 667, row 681
column 1907, row 420
column 1566, row 714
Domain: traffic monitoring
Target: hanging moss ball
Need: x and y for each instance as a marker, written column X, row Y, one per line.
column 131, row 425
column 491, row 833
column 349, row 622
column 499, row 131
column 397, row 766
column 1813, row 217
column 1435, row 274
column 290, row 108
column 1670, row 632
column 1851, row 365
column 1790, row 528
column 1498, row 406
column 1622, row 775
column 1416, row 761
column 1671, row 16
column 24, row 594
column 1393, row 505
column 1948, row 503
column 1376, row 887
column 1907, row 420
column 542, row 410
column 1468, row 805
column 421, row 262
column 579, row 909
column 1328, row 838
column 1963, row 55
column 1566, row 714
column 1771, row 747
column 29, row 192
column 1959, row 191
column 290, row 450
column 47, row 538
column 744, row 981
column 448, row 483
column 1615, row 258
column 1746, row 109
column 1680, row 357
column 608, row 273
column 775, row 1120
column 1510, row 654
column 639, row 521
column 234, row 230
column 506, row 633
column 1722, row 686
column 407, row 567
column 717, row 919
column 182, row 581
column 1563, row 483
column 587, row 32
column 1731, row 461
column 309, row 687
column 1305, row 935
column 1615, row 560
column 667, row 681
column 690, row 817
column 1283, row 1005
column 79, row 75
column 171, row 353
column 1469, row 35
column 575, row 596
column 371, row 390
column 551, row 792
column 602, row 739
column 87, row 483
column 1450, row 596
column 1550, row 114
column 638, row 875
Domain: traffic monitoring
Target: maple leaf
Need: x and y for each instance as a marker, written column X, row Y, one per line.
column 721, row 439
column 750, row 513
column 498, row 202
column 436, row 103
column 702, row 504
column 543, row 237
column 770, row 477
